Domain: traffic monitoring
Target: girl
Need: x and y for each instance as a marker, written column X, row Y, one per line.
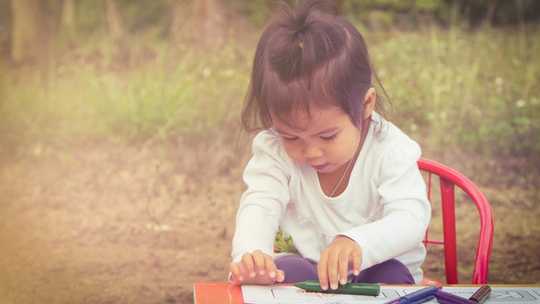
column 327, row 169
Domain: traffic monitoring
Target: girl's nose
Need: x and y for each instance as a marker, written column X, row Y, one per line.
column 312, row 152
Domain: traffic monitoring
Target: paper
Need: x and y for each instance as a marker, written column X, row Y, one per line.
column 287, row 294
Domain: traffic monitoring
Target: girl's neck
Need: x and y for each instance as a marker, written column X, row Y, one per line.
column 334, row 183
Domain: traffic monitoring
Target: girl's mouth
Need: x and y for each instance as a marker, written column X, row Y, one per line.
column 322, row 168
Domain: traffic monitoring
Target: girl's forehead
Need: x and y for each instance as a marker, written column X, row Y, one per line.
column 316, row 119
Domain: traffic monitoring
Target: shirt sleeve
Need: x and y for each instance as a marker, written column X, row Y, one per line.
column 406, row 209
column 265, row 199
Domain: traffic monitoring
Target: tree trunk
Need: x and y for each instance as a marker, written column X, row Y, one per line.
column 29, row 30
column 178, row 21
column 114, row 20
column 489, row 17
column 340, row 7
column 67, row 22
column 122, row 53
column 201, row 22
column 209, row 22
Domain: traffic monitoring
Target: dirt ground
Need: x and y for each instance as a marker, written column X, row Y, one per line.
column 103, row 221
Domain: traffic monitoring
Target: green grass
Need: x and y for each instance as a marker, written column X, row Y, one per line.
column 181, row 92
column 476, row 90
column 284, row 243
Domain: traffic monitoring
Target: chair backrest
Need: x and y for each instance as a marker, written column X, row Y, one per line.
column 448, row 179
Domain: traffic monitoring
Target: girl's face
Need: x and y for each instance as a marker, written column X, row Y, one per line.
column 324, row 140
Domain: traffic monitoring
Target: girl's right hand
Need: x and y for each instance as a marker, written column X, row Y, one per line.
column 256, row 268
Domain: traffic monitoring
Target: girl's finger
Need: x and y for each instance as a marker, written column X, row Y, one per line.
column 270, row 266
column 280, row 276
column 356, row 261
column 332, row 268
column 247, row 261
column 322, row 270
column 236, row 274
column 258, row 258
column 343, row 267
column 243, row 271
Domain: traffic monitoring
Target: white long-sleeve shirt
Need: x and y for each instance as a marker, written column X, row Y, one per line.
column 384, row 207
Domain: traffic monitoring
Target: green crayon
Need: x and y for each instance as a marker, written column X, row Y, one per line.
column 364, row 289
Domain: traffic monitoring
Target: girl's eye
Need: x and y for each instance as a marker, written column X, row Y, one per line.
column 288, row 138
column 328, row 137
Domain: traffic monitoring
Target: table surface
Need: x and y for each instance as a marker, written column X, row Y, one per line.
column 226, row 293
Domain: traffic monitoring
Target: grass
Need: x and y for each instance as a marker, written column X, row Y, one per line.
column 477, row 90
column 89, row 94
column 442, row 84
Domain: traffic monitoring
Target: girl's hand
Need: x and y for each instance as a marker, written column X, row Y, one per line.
column 256, row 268
column 335, row 262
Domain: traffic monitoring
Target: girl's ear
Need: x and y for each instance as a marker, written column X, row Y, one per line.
column 369, row 102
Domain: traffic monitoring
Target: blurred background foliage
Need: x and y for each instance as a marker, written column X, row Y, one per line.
column 459, row 73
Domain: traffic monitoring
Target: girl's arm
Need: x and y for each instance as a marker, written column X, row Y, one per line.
column 264, row 201
column 406, row 209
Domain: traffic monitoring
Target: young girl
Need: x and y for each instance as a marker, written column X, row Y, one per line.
column 328, row 170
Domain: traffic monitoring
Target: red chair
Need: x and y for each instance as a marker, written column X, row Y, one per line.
column 448, row 178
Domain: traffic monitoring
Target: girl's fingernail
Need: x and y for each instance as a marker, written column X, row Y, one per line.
column 343, row 282
column 240, row 278
column 261, row 272
column 323, row 287
column 356, row 272
column 252, row 274
column 333, row 285
column 272, row 274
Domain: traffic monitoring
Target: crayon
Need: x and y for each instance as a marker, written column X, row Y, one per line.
column 416, row 296
column 364, row 289
column 481, row 294
column 448, row 298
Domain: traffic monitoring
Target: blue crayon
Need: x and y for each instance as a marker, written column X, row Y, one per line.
column 418, row 296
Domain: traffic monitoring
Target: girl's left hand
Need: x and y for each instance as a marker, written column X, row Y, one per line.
column 335, row 261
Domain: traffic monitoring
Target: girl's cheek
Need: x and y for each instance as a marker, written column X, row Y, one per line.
column 296, row 155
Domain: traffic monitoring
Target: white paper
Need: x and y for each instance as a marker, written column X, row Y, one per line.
column 286, row 294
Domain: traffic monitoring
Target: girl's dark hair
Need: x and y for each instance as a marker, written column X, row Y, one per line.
column 307, row 55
